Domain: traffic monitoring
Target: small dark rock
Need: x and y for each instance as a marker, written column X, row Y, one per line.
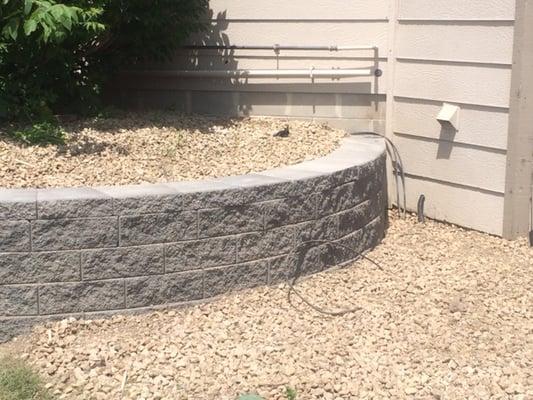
column 283, row 133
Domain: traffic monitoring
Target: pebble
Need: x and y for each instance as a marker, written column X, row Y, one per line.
column 404, row 343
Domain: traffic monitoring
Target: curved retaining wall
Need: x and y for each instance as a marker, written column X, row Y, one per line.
column 86, row 252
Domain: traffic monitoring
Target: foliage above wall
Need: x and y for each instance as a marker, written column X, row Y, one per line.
column 55, row 56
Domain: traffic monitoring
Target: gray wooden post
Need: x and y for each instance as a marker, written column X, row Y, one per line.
column 519, row 179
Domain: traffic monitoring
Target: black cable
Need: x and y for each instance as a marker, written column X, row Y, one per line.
column 398, row 170
column 298, row 273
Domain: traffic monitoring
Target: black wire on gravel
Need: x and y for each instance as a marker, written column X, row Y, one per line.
column 298, row 272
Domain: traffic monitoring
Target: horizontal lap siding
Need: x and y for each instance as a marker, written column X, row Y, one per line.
column 308, row 9
column 458, row 52
column 323, row 33
column 455, row 204
column 492, row 10
column 355, row 103
column 472, row 84
column 463, row 41
column 480, row 125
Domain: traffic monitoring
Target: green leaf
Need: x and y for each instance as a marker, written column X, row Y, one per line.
column 30, row 26
column 28, row 5
column 250, row 397
column 11, row 29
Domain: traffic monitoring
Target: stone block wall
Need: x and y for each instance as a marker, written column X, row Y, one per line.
column 86, row 252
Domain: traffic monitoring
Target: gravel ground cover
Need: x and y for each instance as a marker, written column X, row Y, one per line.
column 447, row 316
column 161, row 147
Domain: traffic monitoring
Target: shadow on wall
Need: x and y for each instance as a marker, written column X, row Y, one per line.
column 244, row 97
column 446, row 141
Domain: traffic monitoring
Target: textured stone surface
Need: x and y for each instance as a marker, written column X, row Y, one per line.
column 170, row 288
column 326, row 228
column 290, row 210
column 18, row 300
column 71, row 234
column 350, row 246
column 355, row 218
column 18, row 204
column 39, row 267
column 112, row 249
column 60, row 298
column 230, row 220
column 199, row 254
column 222, row 280
column 143, row 199
column 342, row 197
column 157, row 228
column 122, row 262
column 14, row 236
column 266, row 244
column 280, row 269
column 72, row 203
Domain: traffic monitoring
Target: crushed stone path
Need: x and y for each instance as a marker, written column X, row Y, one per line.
column 450, row 316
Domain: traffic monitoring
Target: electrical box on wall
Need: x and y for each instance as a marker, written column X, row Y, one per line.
column 449, row 115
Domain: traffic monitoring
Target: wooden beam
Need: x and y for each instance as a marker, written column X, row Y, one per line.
column 519, row 175
column 394, row 12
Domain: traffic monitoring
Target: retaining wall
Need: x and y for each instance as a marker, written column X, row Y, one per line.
column 86, row 252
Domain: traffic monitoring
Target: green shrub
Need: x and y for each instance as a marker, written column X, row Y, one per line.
column 19, row 382
column 40, row 133
column 55, row 56
column 290, row 393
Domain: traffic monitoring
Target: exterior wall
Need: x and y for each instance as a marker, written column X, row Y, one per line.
column 458, row 52
column 518, row 218
column 89, row 252
column 356, row 104
column 431, row 52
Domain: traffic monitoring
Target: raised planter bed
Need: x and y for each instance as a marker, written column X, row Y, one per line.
column 89, row 252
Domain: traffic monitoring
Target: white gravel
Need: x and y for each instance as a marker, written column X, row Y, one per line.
column 448, row 317
column 161, row 147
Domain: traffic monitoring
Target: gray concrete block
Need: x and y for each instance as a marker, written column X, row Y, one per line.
column 12, row 326
column 186, row 256
column 164, row 289
column 305, row 182
column 16, row 268
column 18, row 204
column 143, row 199
column 290, row 210
column 307, row 259
column 208, row 193
column 235, row 277
column 374, row 232
column 230, row 220
column 253, row 188
column 273, row 242
column 72, row 203
column 158, row 228
column 18, row 300
column 60, row 298
column 280, row 269
column 71, row 234
column 326, row 228
column 350, row 194
column 122, row 262
column 378, row 204
column 354, row 219
column 340, row 198
column 14, row 236
column 349, row 247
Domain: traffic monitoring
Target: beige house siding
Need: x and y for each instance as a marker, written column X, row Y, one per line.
column 461, row 53
column 431, row 52
column 356, row 104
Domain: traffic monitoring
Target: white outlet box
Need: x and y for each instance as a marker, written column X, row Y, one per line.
column 449, row 114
